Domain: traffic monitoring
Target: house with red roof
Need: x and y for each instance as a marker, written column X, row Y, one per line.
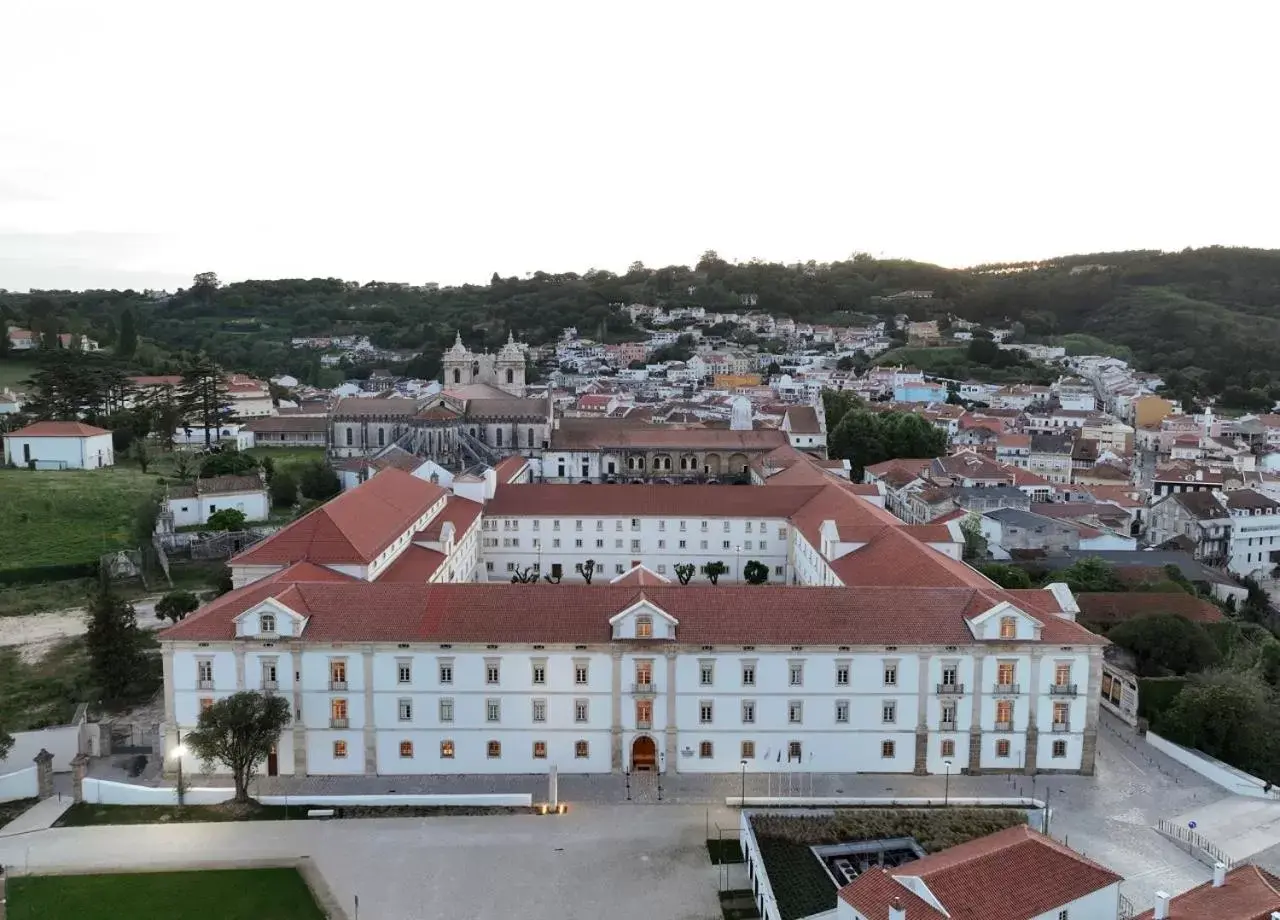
column 59, row 446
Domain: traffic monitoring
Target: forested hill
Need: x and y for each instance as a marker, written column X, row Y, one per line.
column 1208, row 319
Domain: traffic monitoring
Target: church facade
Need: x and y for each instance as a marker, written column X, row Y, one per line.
column 505, row 370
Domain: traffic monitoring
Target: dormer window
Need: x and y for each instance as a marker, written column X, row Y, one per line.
column 267, row 623
column 1008, row 628
column 644, row 627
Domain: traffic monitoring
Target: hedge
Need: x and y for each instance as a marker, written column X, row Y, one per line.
column 38, row 574
column 1156, row 694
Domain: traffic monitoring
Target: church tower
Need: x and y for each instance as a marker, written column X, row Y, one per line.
column 458, row 367
column 509, row 369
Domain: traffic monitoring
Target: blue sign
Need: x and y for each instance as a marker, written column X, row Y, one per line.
column 1191, row 824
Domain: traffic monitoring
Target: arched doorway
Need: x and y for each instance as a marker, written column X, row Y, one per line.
column 644, row 754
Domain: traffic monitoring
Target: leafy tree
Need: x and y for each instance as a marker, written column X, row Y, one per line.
column 6, row 739
column 1090, row 574
column 1165, row 644
column 224, row 583
column 117, row 649
column 145, row 515
column 525, row 576
column 865, row 438
column 284, row 490
column 1230, row 716
column 586, row 569
column 227, row 463
column 141, row 452
column 175, row 606
column 268, row 466
column 127, row 343
column 202, row 397
column 713, row 571
column 185, row 467
column 975, row 544
column 1256, row 607
column 1006, row 576
column 240, row 731
column 318, row 481
column 226, row 519
column 755, row 572
column 837, row 403
column 685, row 572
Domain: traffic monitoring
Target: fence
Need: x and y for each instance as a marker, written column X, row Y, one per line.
column 106, row 792
column 62, row 741
column 1225, row 775
column 205, row 544
column 22, row 784
column 1201, row 847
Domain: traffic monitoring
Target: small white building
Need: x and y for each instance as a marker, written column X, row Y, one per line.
column 59, row 446
column 194, row 503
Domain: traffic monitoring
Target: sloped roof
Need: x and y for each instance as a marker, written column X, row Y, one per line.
column 640, row 575
column 1249, row 893
column 1107, row 607
column 597, row 434
column 803, row 420
column 218, row 485
column 57, row 430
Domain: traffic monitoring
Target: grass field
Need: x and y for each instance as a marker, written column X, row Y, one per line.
column 227, row 894
column 288, row 457
column 68, row 516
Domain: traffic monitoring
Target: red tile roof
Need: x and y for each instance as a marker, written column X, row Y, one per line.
column 872, row 893
column 1116, row 607
column 353, row 528
column 415, row 565
column 803, row 420
column 552, row 500
column 640, row 575
column 57, row 430
column 1249, row 893
column 460, row 512
column 509, row 468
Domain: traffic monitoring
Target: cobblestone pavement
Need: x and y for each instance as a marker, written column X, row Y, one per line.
column 1108, row 816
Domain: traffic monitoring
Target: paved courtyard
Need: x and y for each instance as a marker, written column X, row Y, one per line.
column 642, row 858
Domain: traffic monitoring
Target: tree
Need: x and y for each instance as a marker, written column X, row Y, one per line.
column 1006, row 576
column 865, row 438
column 226, row 519
column 6, row 739
column 713, row 571
column 1090, row 574
column 1165, row 644
column 526, row 576
column 141, row 453
column 586, row 569
column 318, row 482
column 175, row 606
column 202, row 397
column 127, row 342
column 1228, row 715
column 837, row 403
column 240, row 731
column 284, row 490
column 227, row 463
column 145, row 515
column 685, row 572
column 975, row 544
column 755, row 572
column 185, row 467
column 117, row 656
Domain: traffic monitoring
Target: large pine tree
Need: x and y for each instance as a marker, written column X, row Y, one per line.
column 203, row 398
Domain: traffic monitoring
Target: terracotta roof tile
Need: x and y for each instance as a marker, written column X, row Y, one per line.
column 415, row 565
column 872, row 893
column 1115, row 607
column 57, row 430
column 1249, row 893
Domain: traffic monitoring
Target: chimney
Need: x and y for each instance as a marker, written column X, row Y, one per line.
column 1219, row 874
column 896, row 910
column 1162, row 906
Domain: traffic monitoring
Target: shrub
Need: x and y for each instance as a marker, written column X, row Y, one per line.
column 226, row 519
column 284, row 490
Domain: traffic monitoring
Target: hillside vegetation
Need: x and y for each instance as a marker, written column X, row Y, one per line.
column 1206, row 319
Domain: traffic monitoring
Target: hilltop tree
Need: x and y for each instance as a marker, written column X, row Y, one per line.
column 240, row 731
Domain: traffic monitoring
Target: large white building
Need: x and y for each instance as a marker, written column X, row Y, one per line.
column 59, row 446
column 875, row 650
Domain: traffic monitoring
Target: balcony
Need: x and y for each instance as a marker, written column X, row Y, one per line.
column 946, row 726
column 1005, row 689
column 338, row 723
column 1061, row 727
column 1004, row 726
column 270, row 685
column 1062, row 689
column 337, row 685
column 644, row 724
column 645, row 687
column 950, row 689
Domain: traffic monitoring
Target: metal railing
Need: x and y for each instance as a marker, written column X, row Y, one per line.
column 1059, row 727
column 948, row 689
column 204, row 684
column 1004, row 726
column 338, row 723
column 337, row 685
column 1006, row 689
column 946, row 726
column 1186, row 835
column 644, row 723
column 270, row 685
column 642, row 687
column 1062, row 689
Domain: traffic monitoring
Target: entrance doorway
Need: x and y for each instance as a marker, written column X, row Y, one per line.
column 644, row 754
column 273, row 763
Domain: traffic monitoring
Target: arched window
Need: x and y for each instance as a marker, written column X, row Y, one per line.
column 511, row 376
column 497, row 436
column 457, row 375
column 475, row 369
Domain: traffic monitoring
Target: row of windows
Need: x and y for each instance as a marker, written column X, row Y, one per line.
column 445, row 710
column 514, row 543
column 493, row 750
column 536, row 524
column 619, row 568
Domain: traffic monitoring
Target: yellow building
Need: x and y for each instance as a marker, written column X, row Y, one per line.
column 1150, row 411
column 729, row 381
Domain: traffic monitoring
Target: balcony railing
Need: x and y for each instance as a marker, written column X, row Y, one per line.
column 204, row 684
column 644, row 723
column 946, row 726
column 644, row 686
column 1004, row 726
column 1059, row 727
column 1005, row 689
column 338, row 723
column 1062, row 689
column 270, row 685
column 337, row 685
column 950, row 689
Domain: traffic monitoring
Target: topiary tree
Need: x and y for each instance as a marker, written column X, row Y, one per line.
column 226, row 519
column 713, row 571
column 755, row 572
column 240, row 731
column 175, row 606
column 685, row 572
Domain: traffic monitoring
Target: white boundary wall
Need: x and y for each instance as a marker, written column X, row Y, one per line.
column 24, row 784
column 64, row 742
column 106, row 792
column 1225, row 775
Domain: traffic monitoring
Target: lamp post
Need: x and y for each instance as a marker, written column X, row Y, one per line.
column 946, row 788
column 737, row 562
column 178, row 751
column 742, row 802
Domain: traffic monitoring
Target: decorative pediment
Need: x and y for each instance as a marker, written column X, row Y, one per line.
column 269, row 619
column 643, row 620
column 1005, row 623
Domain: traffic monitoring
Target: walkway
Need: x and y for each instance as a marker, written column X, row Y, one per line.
column 38, row 817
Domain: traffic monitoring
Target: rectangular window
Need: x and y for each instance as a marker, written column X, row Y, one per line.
column 726, row 527
column 204, row 672
column 1004, row 712
column 887, row 749
column 446, row 750
column 795, row 712
column 842, row 710
column 949, row 714
column 539, row 710
column 889, row 711
column 796, row 671
column 662, row 544
column 748, row 712
column 581, row 750
column 406, row 749
column 1059, row 749
column 644, row 713
column 726, row 544
column 1002, row 748
column 339, row 750
column 446, row 710
column 577, row 544
column 706, row 673
column 1060, row 713
column 779, row 570
column 405, row 708
column 206, row 703
column 949, row 675
column 580, row 672
column 705, row 712
column 842, row 673
column 492, row 670
column 580, row 711
column 618, row 569
column 599, row 544
column 493, row 750
column 493, row 710
column 763, row 546
column 635, row 546
column 684, row 544
column 539, row 750
column 555, row 542
column 705, row 750
column 948, row 747
column 404, row 671
column 748, row 673
column 748, row 750
column 539, row 671
column 704, row 525
column 1005, row 672
column 338, row 710
column 1062, row 675
column 746, row 544
column 891, row 674
column 446, row 672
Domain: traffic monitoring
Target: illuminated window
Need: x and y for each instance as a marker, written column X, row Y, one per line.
column 494, row 750
column 581, row 750
column 446, row 750
column 339, row 750
column 1008, row 628
column 886, row 748
column 406, row 748
column 948, row 747
column 644, row 627
column 539, row 750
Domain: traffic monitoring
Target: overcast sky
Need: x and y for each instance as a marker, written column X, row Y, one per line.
column 430, row 141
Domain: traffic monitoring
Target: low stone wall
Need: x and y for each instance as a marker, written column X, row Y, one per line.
column 106, row 792
column 1225, row 775
column 1036, row 811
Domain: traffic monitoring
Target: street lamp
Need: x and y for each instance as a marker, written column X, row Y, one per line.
column 742, row 802
column 946, row 788
column 178, row 751
column 737, row 561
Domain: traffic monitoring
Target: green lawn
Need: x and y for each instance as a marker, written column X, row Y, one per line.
column 68, row 516
column 225, row 894
column 286, row 457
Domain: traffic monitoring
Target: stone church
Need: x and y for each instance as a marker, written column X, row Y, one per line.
column 505, row 370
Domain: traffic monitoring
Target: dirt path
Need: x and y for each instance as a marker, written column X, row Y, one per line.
column 37, row 633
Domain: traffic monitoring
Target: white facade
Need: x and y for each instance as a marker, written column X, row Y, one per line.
column 197, row 509
column 86, row 452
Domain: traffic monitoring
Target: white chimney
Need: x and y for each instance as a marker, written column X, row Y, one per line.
column 1219, row 874
column 896, row 910
column 1162, row 906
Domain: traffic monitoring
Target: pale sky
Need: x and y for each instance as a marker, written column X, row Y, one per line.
column 141, row 143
